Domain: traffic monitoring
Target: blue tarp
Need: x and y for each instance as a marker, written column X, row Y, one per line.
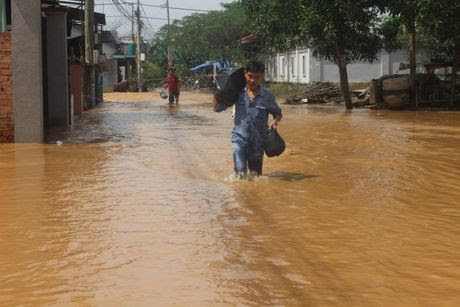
column 220, row 64
column 200, row 67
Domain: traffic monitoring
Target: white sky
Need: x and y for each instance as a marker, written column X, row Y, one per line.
column 125, row 24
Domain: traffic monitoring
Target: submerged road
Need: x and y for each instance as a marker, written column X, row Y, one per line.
column 135, row 208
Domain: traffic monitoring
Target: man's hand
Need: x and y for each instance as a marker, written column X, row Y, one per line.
column 274, row 122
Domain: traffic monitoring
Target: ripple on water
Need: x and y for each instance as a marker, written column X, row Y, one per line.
column 135, row 206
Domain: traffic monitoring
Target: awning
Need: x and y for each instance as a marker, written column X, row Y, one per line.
column 201, row 67
column 220, row 64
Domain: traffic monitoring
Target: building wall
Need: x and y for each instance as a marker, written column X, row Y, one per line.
column 109, row 50
column 292, row 66
column 6, row 103
column 27, row 71
column 300, row 66
column 76, row 87
column 57, row 66
column 75, row 31
column 110, row 77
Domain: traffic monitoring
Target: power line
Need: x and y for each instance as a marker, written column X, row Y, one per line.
column 122, row 9
column 161, row 6
column 169, row 35
column 150, row 30
column 178, row 8
column 143, row 17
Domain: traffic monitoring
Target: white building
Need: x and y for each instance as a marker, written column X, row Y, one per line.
column 109, row 48
column 300, row 66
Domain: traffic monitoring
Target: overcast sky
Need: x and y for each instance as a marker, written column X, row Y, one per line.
column 124, row 29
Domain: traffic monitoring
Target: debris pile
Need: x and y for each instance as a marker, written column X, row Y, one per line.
column 324, row 92
column 318, row 92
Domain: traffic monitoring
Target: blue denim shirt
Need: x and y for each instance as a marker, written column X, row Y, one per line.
column 251, row 117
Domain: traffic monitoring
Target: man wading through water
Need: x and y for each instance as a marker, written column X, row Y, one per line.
column 251, row 121
column 173, row 85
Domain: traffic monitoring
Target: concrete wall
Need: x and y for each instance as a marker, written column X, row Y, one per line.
column 27, row 71
column 109, row 50
column 110, row 77
column 364, row 71
column 58, row 78
column 75, row 31
column 292, row 66
column 6, row 103
column 300, row 66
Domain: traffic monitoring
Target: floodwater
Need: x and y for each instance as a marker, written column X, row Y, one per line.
column 134, row 208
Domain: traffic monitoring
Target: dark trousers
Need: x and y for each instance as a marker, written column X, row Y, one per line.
column 247, row 157
column 174, row 96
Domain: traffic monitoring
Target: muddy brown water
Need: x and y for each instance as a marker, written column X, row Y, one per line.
column 363, row 209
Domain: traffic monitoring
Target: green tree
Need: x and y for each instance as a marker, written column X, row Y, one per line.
column 391, row 32
column 426, row 26
column 339, row 30
column 152, row 73
column 407, row 12
column 441, row 25
column 201, row 37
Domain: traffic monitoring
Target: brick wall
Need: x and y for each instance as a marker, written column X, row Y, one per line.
column 6, row 101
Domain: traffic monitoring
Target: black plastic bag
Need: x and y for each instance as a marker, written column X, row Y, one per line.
column 274, row 144
column 229, row 84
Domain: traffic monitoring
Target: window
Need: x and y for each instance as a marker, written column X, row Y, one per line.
column 2, row 16
column 284, row 66
column 5, row 15
column 303, row 65
column 292, row 65
column 274, row 66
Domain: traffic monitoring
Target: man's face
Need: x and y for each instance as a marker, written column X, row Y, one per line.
column 171, row 72
column 253, row 79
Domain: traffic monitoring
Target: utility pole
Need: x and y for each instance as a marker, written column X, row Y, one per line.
column 170, row 63
column 132, row 22
column 88, row 76
column 89, row 35
column 138, row 47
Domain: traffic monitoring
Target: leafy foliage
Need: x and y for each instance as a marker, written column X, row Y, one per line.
column 317, row 24
column 339, row 30
column 431, row 27
column 201, row 37
column 152, row 73
column 392, row 33
column 440, row 25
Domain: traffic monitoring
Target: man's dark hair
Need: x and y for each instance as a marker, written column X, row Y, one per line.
column 255, row 66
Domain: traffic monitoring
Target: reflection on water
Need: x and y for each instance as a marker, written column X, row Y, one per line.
column 361, row 209
column 290, row 176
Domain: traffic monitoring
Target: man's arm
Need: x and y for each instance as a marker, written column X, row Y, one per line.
column 275, row 110
column 274, row 123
